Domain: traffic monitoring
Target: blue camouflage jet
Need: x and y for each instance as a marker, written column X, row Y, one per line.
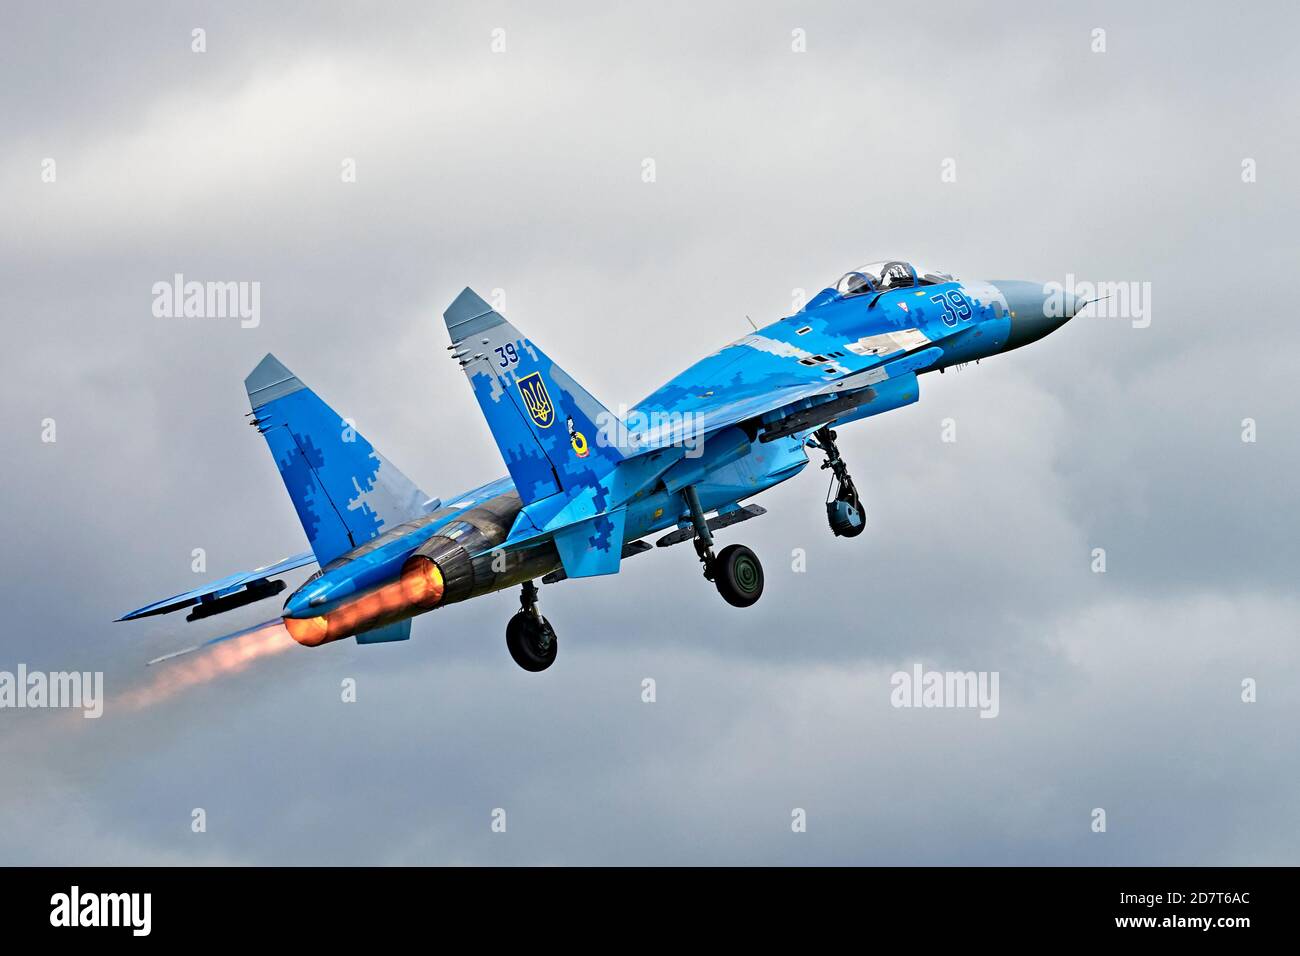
column 586, row 485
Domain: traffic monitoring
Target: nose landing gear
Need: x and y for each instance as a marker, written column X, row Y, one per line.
column 844, row 509
column 529, row 636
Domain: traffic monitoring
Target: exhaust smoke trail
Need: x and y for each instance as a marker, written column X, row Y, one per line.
column 227, row 657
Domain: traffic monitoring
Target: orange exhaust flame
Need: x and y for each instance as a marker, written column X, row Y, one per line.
column 419, row 588
column 229, row 657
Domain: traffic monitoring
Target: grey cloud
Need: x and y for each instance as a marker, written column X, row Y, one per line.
column 776, row 171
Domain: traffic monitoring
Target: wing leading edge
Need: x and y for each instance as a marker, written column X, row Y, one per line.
column 228, row 593
column 769, row 397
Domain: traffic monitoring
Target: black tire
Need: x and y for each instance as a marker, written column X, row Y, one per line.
column 738, row 575
column 841, row 528
column 524, row 636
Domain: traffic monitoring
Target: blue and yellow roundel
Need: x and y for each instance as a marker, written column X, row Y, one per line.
column 579, row 442
column 537, row 400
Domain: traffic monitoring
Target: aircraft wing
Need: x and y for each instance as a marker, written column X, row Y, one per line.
column 755, row 383
column 227, row 593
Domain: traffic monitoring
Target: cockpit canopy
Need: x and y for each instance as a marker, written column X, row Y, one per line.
column 887, row 275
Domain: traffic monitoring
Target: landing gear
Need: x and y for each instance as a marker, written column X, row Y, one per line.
column 735, row 571
column 843, row 507
column 738, row 576
column 529, row 636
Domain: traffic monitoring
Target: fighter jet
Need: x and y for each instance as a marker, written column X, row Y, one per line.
column 586, row 486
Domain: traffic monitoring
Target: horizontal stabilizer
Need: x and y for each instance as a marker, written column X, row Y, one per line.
column 226, row 594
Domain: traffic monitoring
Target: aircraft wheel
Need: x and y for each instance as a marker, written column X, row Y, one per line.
column 531, row 641
column 738, row 575
column 846, row 517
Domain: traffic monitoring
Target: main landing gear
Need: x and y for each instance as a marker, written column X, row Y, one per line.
column 735, row 570
column 843, row 507
column 529, row 636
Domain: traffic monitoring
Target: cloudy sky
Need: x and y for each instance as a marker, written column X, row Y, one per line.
column 775, row 171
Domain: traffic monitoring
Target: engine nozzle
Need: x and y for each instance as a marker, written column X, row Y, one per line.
column 419, row 588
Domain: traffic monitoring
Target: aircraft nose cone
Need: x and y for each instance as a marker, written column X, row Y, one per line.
column 1035, row 311
column 1074, row 304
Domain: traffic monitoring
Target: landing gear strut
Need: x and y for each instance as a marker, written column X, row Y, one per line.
column 529, row 636
column 735, row 571
column 843, row 506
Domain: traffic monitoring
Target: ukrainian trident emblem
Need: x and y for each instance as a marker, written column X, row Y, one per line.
column 537, row 400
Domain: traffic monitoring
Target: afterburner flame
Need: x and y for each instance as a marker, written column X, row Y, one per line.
column 419, row 588
column 229, row 657
column 422, row 582
column 309, row 631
